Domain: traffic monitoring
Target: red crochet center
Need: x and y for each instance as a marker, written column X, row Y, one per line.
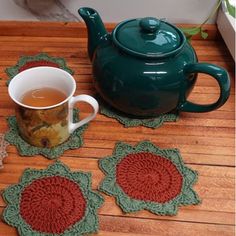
column 52, row 204
column 148, row 177
column 32, row 64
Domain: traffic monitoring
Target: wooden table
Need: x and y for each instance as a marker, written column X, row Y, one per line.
column 206, row 141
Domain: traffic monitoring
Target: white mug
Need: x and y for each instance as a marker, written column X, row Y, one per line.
column 51, row 125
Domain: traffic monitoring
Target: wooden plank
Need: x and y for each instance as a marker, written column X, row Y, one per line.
column 93, row 132
column 189, row 157
column 155, row 227
column 168, row 128
column 72, row 29
column 23, row 48
column 71, row 46
column 110, row 225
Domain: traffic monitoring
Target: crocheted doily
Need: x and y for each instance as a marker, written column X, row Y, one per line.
column 41, row 59
column 3, row 146
column 25, row 149
column 54, row 201
column 147, row 177
column 155, row 122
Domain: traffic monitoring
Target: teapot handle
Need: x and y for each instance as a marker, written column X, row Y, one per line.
column 216, row 72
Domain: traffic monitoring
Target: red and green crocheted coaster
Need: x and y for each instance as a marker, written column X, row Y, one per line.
column 25, row 149
column 41, row 59
column 54, row 201
column 145, row 177
column 127, row 121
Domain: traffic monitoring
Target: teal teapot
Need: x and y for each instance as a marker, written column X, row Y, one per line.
column 146, row 67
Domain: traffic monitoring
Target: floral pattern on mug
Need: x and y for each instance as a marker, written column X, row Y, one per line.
column 43, row 127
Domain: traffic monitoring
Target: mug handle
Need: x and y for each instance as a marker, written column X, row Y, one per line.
column 217, row 73
column 81, row 98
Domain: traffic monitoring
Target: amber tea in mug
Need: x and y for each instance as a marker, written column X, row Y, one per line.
column 44, row 105
column 43, row 97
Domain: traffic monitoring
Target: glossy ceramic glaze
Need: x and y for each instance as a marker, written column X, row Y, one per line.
column 138, row 86
column 146, row 67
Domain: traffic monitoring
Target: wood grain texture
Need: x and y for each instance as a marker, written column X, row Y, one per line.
column 70, row 29
column 206, row 141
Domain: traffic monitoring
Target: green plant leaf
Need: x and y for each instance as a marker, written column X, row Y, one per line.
column 191, row 31
column 230, row 8
column 204, row 34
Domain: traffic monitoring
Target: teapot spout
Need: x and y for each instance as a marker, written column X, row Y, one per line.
column 95, row 27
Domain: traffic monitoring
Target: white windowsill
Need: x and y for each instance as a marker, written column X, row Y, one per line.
column 226, row 26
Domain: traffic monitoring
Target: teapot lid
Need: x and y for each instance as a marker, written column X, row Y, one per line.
column 148, row 37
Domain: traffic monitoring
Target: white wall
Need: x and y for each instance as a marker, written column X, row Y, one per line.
column 176, row 11
column 10, row 11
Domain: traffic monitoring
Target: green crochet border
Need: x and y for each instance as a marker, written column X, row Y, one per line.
column 109, row 186
column 25, row 149
column 133, row 122
column 12, row 196
column 14, row 70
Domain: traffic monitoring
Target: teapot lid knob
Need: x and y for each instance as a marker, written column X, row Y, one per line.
column 150, row 24
column 148, row 37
